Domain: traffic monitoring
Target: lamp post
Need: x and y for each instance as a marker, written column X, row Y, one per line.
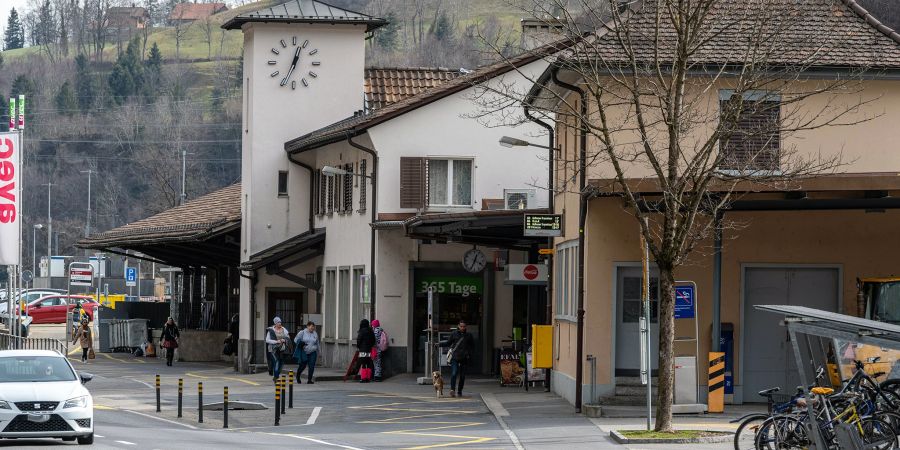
column 87, row 226
column 36, row 227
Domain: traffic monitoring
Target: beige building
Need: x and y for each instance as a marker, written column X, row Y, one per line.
column 802, row 243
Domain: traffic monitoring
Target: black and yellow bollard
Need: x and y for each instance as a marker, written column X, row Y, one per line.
column 200, row 402
column 716, row 398
column 291, row 389
column 157, row 393
column 283, row 394
column 277, row 401
column 225, row 407
column 180, row 394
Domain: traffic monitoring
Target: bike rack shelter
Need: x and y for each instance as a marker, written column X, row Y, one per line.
column 829, row 325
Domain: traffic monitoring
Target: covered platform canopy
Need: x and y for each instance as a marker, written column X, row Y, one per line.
column 495, row 228
column 289, row 253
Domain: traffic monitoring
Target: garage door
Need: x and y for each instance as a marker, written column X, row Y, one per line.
column 768, row 354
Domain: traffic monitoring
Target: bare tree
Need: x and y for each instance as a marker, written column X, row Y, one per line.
column 697, row 99
column 180, row 29
column 208, row 25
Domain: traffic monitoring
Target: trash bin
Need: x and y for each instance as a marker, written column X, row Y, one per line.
column 685, row 380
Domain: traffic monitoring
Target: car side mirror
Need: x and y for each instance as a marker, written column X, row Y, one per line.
column 85, row 377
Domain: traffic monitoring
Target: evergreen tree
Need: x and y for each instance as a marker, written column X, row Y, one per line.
column 15, row 33
column 153, row 72
column 85, row 86
column 443, row 29
column 127, row 77
column 386, row 36
column 45, row 29
column 23, row 85
column 65, row 99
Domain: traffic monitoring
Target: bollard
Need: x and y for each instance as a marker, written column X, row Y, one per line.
column 283, row 394
column 180, row 392
column 200, row 401
column 225, row 407
column 291, row 390
column 157, row 393
column 277, row 402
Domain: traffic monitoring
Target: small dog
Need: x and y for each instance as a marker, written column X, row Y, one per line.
column 438, row 381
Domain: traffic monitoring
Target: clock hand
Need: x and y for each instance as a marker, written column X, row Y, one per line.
column 293, row 65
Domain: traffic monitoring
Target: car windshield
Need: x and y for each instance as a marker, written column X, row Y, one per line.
column 19, row 369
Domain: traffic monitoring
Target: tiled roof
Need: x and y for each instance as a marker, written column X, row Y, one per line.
column 195, row 11
column 305, row 11
column 386, row 85
column 196, row 220
column 805, row 33
column 357, row 124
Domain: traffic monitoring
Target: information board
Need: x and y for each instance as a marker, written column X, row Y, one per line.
column 549, row 225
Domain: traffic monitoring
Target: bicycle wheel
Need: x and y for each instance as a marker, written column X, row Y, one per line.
column 891, row 418
column 781, row 433
column 746, row 432
column 878, row 434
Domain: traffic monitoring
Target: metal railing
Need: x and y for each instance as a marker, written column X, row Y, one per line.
column 10, row 342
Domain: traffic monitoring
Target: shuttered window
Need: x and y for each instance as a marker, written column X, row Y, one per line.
column 322, row 191
column 362, row 186
column 413, row 177
column 752, row 140
column 347, row 200
column 330, row 195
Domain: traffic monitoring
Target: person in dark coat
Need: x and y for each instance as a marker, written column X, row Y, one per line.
column 462, row 345
column 365, row 343
column 170, row 335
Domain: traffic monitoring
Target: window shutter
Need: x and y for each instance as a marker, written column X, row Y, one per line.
column 315, row 195
column 348, row 188
column 330, row 196
column 413, row 182
column 323, row 192
column 362, row 186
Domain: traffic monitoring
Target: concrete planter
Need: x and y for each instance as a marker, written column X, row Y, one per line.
column 722, row 436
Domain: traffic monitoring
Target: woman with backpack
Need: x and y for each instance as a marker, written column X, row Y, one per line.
column 365, row 343
column 381, row 344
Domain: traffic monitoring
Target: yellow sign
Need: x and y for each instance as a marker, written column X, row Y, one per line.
column 542, row 346
column 545, row 251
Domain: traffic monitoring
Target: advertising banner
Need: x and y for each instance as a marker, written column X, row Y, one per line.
column 12, row 114
column 10, row 204
column 21, row 112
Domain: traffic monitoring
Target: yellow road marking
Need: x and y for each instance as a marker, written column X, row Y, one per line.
column 103, row 407
column 123, row 361
column 252, row 383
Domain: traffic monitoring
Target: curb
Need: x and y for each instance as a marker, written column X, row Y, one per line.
column 622, row 439
column 499, row 412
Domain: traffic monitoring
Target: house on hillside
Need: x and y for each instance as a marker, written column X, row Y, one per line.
column 127, row 18
column 191, row 12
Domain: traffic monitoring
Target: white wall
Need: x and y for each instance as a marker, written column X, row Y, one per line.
column 446, row 128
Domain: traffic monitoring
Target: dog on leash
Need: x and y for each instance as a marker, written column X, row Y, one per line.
column 438, row 381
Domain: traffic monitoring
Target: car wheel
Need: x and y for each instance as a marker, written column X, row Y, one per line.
column 69, row 439
column 86, row 440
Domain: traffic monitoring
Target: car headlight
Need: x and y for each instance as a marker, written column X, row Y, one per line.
column 77, row 402
column 4, row 405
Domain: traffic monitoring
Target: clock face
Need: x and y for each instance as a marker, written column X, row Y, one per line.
column 474, row 260
column 294, row 63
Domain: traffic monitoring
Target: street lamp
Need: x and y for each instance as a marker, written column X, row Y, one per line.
column 36, row 227
column 330, row 171
column 510, row 142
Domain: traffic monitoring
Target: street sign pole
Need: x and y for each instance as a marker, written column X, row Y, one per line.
column 80, row 274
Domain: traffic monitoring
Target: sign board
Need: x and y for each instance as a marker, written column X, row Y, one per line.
column 364, row 284
column 27, row 276
column 464, row 286
column 10, row 203
column 131, row 276
column 526, row 274
column 549, row 225
column 685, row 302
column 542, row 346
column 81, row 276
column 545, row 251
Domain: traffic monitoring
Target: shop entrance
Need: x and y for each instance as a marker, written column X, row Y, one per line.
column 457, row 296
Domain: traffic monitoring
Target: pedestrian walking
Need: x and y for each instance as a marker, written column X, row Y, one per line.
column 462, row 345
column 86, row 339
column 170, row 336
column 381, row 345
column 277, row 339
column 307, row 351
column 365, row 343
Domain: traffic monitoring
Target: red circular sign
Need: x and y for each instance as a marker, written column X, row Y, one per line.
column 530, row 272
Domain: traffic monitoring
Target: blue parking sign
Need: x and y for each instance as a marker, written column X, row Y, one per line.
column 130, row 276
column 685, row 302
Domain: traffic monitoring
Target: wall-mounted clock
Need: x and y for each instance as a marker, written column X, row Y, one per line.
column 294, row 62
column 474, row 260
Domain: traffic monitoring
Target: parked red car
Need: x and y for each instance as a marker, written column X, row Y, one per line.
column 52, row 308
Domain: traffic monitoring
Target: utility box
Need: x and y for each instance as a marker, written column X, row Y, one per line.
column 542, row 346
column 685, row 380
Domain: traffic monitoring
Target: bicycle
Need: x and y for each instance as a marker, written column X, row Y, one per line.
column 744, row 437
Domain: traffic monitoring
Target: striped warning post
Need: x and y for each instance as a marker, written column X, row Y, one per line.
column 716, row 399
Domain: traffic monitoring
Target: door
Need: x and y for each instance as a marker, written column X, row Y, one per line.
column 628, row 313
column 768, row 353
column 287, row 305
column 45, row 312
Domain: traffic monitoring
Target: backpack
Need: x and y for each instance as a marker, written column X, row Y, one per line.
column 383, row 343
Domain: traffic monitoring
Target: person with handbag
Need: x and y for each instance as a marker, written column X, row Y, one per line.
column 277, row 344
column 86, row 339
column 170, row 335
column 307, row 351
column 365, row 343
column 462, row 345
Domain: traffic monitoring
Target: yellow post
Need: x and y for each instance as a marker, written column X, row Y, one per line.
column 716, row 399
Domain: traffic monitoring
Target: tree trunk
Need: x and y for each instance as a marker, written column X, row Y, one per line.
column 666, row 350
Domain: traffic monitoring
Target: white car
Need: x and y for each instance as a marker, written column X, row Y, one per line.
column 41, row 396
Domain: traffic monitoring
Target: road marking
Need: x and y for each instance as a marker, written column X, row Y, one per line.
column 142, row 382
column 499, row 413
column 252, row 383
column 99, row 436
column 73, row 351
column 161, row 419
column 314, row 415
column 317, row 441
column 103, row 407
column 126, row 442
